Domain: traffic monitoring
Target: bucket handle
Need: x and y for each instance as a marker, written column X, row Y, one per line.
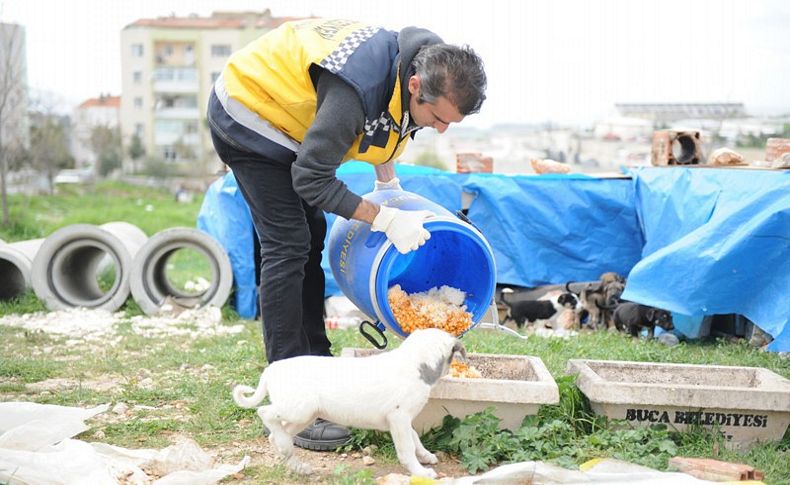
column 459, row 214
column 371, row 338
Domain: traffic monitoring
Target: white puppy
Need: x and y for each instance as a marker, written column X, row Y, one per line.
column 383, row 392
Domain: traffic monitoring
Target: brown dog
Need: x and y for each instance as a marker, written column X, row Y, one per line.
column 600, row 300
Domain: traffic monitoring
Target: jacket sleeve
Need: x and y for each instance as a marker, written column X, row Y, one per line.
column 339, row 119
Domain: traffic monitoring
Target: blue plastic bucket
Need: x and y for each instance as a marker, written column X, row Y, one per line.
column 365, row 264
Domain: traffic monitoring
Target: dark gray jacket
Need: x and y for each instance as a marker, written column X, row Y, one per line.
column 339, row 119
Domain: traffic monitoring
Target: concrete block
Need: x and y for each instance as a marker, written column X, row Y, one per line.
column 515, row 385
column 748, row 404
column 672, row 147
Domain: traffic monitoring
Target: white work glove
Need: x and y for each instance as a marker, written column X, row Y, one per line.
column 403, row 228
column 393, row 184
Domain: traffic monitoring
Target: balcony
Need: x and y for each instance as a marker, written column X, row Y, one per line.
column 177, row 113
column 170, row 106
column 175, row 80
column 191, row 139
column 168, row 132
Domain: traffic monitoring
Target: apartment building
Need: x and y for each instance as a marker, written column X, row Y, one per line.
column 102, row 111
column 13, row 87
column 168, row 66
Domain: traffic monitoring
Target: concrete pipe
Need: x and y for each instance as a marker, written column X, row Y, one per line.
column 150, row 286
column 16, row 262
column 68, row 265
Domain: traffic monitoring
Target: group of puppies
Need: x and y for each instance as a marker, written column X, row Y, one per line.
column 597, row 305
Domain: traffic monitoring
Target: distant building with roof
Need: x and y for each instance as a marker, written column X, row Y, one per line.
column 663, row 113
column 102, row 111
column 169, row 65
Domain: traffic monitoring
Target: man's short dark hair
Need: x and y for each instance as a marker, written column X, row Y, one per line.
column 453, row 72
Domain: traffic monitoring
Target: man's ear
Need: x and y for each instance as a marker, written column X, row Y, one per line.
column 414, row 84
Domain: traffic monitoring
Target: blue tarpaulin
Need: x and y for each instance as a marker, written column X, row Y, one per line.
column 225, row 216
column 556, row 228
column 717, row 242
column 694, row 241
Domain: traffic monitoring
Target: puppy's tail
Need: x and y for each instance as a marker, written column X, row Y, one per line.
column 242, row 397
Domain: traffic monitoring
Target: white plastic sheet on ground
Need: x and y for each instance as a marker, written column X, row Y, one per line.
column 36, row 447
column 598, row 472
column 606, row 471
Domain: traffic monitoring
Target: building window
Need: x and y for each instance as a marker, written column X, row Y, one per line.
column 214, row 76
column 189, row 55
column 139, row 129
column 137, row 77
column 220, row 50
column 169, row 153
column 138, row 102
column 137, row 50
column 176, row 101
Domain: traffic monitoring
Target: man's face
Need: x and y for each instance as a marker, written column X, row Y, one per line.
column 438, row 115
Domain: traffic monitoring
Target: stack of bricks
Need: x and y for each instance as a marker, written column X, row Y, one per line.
column 775, row 148
column 715, row 470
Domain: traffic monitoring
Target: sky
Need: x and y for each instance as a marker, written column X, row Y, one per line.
column 565, row 61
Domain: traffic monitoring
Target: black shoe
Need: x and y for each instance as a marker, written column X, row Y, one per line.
column 322, row 435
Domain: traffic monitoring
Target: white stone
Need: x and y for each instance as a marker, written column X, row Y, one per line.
column 120, row 408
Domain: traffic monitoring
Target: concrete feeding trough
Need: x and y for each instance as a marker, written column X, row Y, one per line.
column 748, row 404
column 514, row 385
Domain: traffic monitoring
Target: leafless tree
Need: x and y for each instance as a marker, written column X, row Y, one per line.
column 105, row 141
column 49, row 138
column 13, row 100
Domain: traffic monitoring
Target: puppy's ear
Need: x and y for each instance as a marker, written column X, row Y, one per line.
column 458, row 348
column 650, row 315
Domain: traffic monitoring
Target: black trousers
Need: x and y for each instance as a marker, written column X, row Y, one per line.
column 291, row 234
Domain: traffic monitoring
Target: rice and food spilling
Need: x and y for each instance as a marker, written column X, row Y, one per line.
column 441, row 308
column 464, row 371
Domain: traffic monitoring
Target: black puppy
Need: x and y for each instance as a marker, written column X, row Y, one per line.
column 531, row 310
column 633, row 316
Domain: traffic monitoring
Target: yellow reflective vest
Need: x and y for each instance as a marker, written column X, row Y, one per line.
column 273, row 76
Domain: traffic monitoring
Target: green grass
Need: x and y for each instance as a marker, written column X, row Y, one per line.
column 26, row 370
column 149, row 209
column 25, row 303
column 187, row 265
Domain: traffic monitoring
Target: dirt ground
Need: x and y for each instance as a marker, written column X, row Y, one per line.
column 323, row 463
